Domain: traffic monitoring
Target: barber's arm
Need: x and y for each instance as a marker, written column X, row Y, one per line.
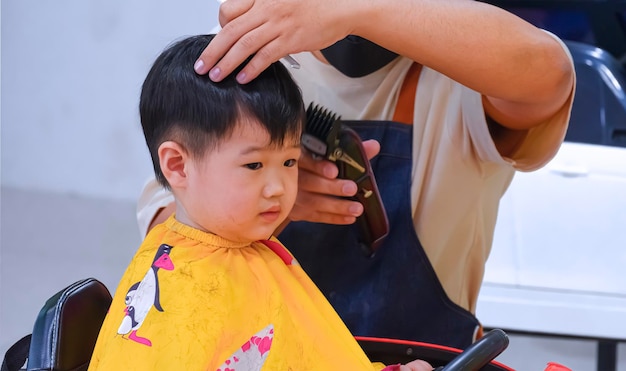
column 524, row 74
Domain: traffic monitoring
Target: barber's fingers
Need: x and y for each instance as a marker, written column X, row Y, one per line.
column 320, row 192
column 260, row 27
column 328, row 169
column 371, row 147
column 267, row 52
column 417, row 365
column 318, row 208
column 320, row 195
column 236, row 23
column 272, row 29
column 313, row 182
column 231, row 47
column 231, row 9
column 317, row 165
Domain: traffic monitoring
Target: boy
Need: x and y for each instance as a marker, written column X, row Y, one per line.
column 211, row 289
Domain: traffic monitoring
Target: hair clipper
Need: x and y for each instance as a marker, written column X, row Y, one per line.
column 325, row 136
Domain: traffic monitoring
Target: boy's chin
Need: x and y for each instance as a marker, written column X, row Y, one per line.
column 257, row 235
column 263, row 236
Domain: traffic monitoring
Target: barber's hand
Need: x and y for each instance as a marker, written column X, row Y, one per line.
column 417, row 365
column 272, row 29
column 318, row 189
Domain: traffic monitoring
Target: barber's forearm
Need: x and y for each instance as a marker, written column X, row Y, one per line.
column 479, row 45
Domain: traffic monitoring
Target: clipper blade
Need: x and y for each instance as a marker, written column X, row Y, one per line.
column 321, row 130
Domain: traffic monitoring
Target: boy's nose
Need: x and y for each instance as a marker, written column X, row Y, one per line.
column 273, row 187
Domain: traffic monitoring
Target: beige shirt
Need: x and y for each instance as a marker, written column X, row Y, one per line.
column 458, row 174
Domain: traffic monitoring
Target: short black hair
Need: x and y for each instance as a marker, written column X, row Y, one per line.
column 178, row 104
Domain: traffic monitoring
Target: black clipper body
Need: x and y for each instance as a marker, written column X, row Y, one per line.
column 327, row 137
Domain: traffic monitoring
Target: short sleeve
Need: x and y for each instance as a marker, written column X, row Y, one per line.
column 153, row 198
column 544, row 140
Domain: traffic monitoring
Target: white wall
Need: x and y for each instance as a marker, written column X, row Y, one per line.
column 71, row 76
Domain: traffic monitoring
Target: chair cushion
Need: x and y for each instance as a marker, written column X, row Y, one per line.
column 67, row 327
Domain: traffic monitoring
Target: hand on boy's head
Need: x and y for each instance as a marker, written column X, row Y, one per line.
column 272, row 29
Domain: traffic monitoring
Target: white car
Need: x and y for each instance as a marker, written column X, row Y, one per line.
column 558, row 263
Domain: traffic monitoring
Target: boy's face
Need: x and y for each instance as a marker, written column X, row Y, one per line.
column 243, row 189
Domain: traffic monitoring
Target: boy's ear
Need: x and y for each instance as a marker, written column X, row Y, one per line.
column 173, row 160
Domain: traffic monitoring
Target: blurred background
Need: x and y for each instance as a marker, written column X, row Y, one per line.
column 73, row 162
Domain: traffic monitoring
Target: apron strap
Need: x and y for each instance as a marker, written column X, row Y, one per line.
column 406, row 99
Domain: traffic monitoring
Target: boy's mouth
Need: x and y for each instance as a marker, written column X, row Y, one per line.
column 271, row 214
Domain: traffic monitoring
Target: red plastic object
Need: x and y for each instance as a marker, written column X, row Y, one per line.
column 553, row 366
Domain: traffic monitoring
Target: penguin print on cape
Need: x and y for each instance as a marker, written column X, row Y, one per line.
column 143, row 295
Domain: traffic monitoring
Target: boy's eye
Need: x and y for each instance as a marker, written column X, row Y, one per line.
column 291, row 162
column 254, row 166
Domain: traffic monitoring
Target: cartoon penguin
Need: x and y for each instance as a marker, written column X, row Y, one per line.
column 142, row 295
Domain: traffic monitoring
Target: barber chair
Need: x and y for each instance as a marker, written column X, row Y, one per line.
column 65, row 331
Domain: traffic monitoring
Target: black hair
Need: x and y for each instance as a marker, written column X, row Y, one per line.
column 178, row 104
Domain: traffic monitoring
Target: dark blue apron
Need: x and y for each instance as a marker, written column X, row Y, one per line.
column 396, row 293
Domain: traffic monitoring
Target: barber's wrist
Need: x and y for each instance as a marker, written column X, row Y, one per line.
column 365, row 18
